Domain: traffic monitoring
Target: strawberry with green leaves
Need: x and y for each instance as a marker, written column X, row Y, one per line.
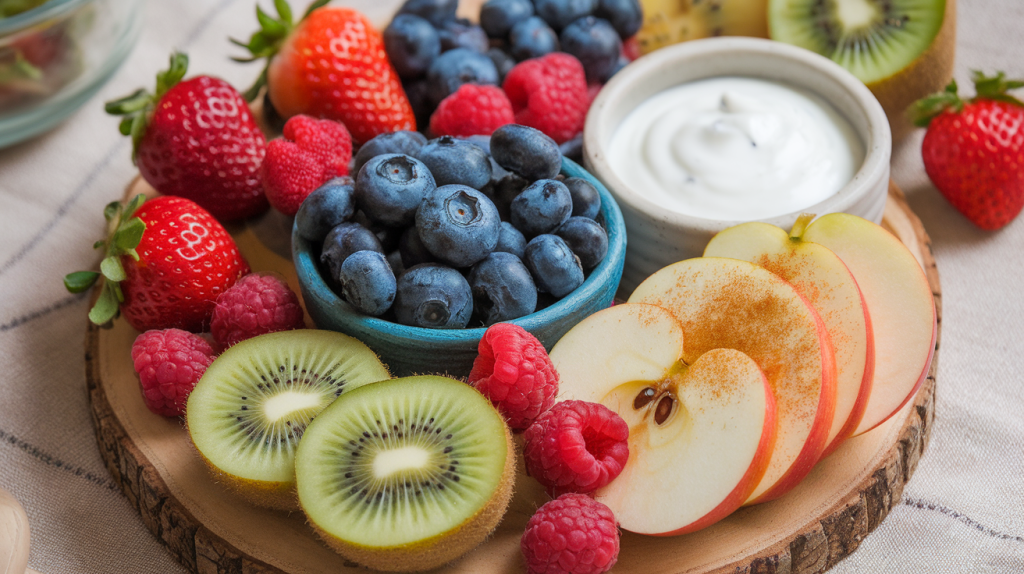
column 196, row 139
column 332, row 65
column 974, row 149
column 166, row 262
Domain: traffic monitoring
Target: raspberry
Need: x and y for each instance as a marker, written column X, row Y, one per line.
column 310, row 152
column 257, row 304
column 169, row 364
column 550, row 94
column 513, row 371
column 577, row 446
column 573, row 534
column 631, row 48
column 472, row 110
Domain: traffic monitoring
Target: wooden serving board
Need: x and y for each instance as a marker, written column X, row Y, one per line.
column 211, row 530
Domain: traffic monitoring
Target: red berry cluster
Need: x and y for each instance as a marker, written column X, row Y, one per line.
column 572, row 448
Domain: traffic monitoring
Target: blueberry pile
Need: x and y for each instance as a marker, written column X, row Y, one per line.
column 434, row 52
column 450, row 233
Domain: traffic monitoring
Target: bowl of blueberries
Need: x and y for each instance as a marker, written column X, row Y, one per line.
column 433, row 241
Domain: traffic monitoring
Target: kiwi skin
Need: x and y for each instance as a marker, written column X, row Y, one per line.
column 445, row 547
column 268, row 494
column 927, row 74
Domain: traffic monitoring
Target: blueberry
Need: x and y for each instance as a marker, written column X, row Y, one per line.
column 386, row 235
column 503, row 288
column 404, row 141
column 437, row 12
column 390, row 187
column 555, row 268
column 532, row 38
column 620, row 63
column 421, row 100
column 504, row 190
column 395, row 261
column 481, row 141
column 626, row 16
column 412, row 249
column 329, row 205
column 367, row 282
column 543, row 206
column 498, row 16
column 344, row 240
column 526, row 151
column 433, row 296
column 456, row 161
column 587, row 239
column 573, row 149
column 586, row 201
column 503, row 61
column 560, row 13
column 511, row 240
column 458, row 224
column 595, row 44
column 463, row 34
column 456, row 67
column 411, row 43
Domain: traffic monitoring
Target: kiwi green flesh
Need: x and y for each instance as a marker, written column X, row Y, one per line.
column 873, row 39
column 254, row 402
column 401, row 462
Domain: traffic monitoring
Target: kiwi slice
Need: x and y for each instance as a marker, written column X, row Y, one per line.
column 873, row 39
column 253, row 404
column 406, row 474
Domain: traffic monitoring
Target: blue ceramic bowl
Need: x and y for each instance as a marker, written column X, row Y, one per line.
column 408, row 350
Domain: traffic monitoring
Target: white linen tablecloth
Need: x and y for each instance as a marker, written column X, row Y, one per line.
column 963, row 510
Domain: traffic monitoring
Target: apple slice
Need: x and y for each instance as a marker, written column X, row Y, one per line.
column 732, row 304
column 822, row 278
column 700, row 434
column 899, row 299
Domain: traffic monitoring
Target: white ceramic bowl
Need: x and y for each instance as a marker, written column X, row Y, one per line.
column 657, row 236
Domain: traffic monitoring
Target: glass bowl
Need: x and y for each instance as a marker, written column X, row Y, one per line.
column 54, row 57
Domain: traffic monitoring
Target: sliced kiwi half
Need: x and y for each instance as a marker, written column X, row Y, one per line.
column 902, row 49
column 255, row 401
column 407, row 474
column 873, row 39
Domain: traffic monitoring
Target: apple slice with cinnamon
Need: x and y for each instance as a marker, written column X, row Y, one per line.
column 732, row 304
column 700, row 431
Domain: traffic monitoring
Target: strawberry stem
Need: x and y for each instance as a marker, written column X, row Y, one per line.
column 137, row 108
column 266, row 42
column 985, row 88
column 994, row 87
column 923, row 110
column 125, row 232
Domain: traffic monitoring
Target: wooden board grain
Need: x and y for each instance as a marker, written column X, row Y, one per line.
column 211, row 530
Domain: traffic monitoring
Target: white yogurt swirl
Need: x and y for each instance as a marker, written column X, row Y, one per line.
column 735, row 148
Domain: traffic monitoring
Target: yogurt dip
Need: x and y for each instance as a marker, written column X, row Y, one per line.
column 735, row 148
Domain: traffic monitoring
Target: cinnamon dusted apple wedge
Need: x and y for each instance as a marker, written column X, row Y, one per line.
column 731, row 304
column 899, row 300
column 824, row 280
column 701, row 426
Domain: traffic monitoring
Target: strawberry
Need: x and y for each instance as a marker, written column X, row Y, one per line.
column 973, row 151
column 196, row 139
column 331, row 64
column 167, row 260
